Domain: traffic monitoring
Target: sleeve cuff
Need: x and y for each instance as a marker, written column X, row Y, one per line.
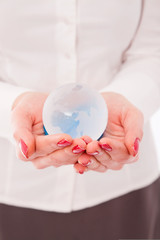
column 8, row 94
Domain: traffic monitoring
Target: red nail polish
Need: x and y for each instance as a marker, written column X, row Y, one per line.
column 94, row 153
column 63, row 143
column 81, row 172
column 106, row 147
column 86, row 164
column 85, row 140
column 24, row 148
column 77, row 149
column 136, row 146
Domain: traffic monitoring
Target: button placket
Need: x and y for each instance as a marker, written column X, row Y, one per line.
column 66, row 72
column 66, row 41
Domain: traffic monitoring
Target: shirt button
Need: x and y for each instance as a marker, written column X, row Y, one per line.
column 68, row 55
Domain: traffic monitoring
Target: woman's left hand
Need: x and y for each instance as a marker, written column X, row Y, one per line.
column 120, row 142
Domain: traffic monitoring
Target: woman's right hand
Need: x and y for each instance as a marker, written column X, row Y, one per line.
column 31, row 143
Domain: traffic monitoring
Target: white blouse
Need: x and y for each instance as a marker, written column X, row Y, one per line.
column 110, row 45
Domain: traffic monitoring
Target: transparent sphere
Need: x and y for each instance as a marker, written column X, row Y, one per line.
column 77, row 110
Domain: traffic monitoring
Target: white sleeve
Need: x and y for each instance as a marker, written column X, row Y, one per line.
column 139, row 77
column 8, row 93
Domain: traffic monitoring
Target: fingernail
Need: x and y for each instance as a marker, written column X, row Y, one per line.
column 81, row 172
column 23, row 148
column 77, row 149
column 94, row 153
column 86, row 164
column 136, row 146
column 106, row 147
column 63, row 143
column 85, row 140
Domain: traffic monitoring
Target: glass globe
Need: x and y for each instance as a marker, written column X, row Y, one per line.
column 77, row 110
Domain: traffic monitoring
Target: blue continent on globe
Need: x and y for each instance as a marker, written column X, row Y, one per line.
column 67, row 124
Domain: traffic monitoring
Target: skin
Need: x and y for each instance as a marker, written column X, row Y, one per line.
column 125, row 125
column 42, row 150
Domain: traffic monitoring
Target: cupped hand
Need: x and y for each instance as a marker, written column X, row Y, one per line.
column 31, row 143
column 120, row 142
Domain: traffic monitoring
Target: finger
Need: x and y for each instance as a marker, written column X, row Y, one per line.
column 46, row 144
column 133, row 127
column 91, row 163
column 86, row 139
column 44, row 162
column 22, row 133
column 65, row 156
column 132, row 159
column 103, row 157
column 38, row 129
column 84, row 159
column 100, row 155
column 116, row 149
column 115, row 165
column 79, row 168
column 71, row 153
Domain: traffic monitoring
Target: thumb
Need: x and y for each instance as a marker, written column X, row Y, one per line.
column 133, row 128
column 22, row 132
